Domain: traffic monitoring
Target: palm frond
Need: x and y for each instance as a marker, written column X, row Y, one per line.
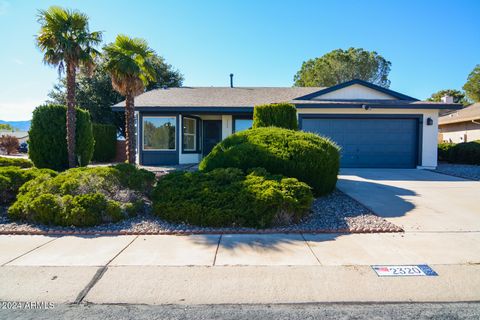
column 64, row 37
column 128, row 60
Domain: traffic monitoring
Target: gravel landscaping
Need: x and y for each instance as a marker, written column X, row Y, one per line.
column 336, row 212
column 466, row 171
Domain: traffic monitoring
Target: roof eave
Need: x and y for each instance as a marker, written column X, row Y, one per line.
column 389, row 92
column 380, row 106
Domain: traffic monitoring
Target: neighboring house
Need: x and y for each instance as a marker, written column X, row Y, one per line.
column 460, row 126
column 376, row 127
column 22, row 136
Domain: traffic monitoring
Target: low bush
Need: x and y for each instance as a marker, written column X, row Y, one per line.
column 444, row 149
column 12, row 178
column 305, row 156
column 105, row 136
column 282, row 115
column 15, row 162
column 47, row 137
column 229, row 197
column 467, row 153
column 83, row 196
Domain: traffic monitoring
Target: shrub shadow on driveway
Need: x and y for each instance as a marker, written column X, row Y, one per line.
column 384, row 200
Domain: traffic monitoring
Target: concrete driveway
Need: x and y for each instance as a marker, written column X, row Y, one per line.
column 417, row 200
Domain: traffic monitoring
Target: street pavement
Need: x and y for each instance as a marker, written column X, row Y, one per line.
column 404, row 311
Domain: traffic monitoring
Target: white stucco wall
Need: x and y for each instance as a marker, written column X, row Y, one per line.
column 429, row 133
column 137, row 137
column 227, row 126
column 354, row 91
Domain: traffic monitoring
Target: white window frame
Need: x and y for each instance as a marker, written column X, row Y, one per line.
column 194, row 134
column 143, row 132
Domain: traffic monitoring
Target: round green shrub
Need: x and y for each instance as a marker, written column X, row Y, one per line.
column 15, row 162
column 47, row 137
column 12, row 178
column 83, row 196
column 105, row 136
column 305, row 156
column 230, row 198
column 282, row 115
column 467, row 153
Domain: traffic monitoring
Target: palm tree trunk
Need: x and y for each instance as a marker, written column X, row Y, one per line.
column 71, row 116
column 130, row 127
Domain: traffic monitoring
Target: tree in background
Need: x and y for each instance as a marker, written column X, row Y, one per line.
column 129, row 63
column 9, row 144
column 96, row 93
column 472, row 86
column 6, row 127
column 458, row 96
column 67, row 44
column 340, row 66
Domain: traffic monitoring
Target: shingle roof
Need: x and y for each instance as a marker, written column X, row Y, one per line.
column 248, row 97
column 219, row 96
column 466, row 114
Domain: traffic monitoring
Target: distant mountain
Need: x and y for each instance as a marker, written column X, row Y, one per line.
column 18, row 125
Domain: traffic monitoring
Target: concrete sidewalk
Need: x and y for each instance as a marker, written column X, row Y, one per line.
column 242, row 250
column 281, row 268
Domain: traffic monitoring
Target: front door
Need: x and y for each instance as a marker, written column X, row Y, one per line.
column 212, row 134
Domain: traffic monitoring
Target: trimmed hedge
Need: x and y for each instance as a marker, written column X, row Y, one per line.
column 444, row 150
column 305, row 156
column 12, row 178
column 282, row 115
column 228, row 197
column 15, row 162
column 83, row 196
column 466, row 152
column 48, row 142
column 105, row 136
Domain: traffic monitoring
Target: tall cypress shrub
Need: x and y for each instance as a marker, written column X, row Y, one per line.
column 105, row 136
column 282, row 115
column 47, row 143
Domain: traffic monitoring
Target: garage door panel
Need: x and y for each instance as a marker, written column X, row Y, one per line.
column 370, row 143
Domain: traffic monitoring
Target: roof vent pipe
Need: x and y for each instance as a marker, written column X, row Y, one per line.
column 231, row 80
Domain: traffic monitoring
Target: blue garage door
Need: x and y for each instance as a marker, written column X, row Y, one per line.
column 370, row 143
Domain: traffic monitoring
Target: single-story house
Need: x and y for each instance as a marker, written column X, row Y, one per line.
column 460, row 126
column 376, row 127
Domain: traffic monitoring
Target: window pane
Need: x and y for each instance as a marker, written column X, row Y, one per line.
column 189, row 142
column 189, row 125
column 243, row 124
column 189, row 134
column 159, row 133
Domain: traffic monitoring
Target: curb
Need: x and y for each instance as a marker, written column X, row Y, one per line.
column 200, row 232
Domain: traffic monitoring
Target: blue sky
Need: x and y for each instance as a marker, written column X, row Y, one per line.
column 432, row 44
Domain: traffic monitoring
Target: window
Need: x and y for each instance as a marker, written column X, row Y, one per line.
column 242, row 124
column 159, row 133
column 189, row 134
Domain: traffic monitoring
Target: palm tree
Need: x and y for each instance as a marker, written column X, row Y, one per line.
column 129, row 62
column 67, row 44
